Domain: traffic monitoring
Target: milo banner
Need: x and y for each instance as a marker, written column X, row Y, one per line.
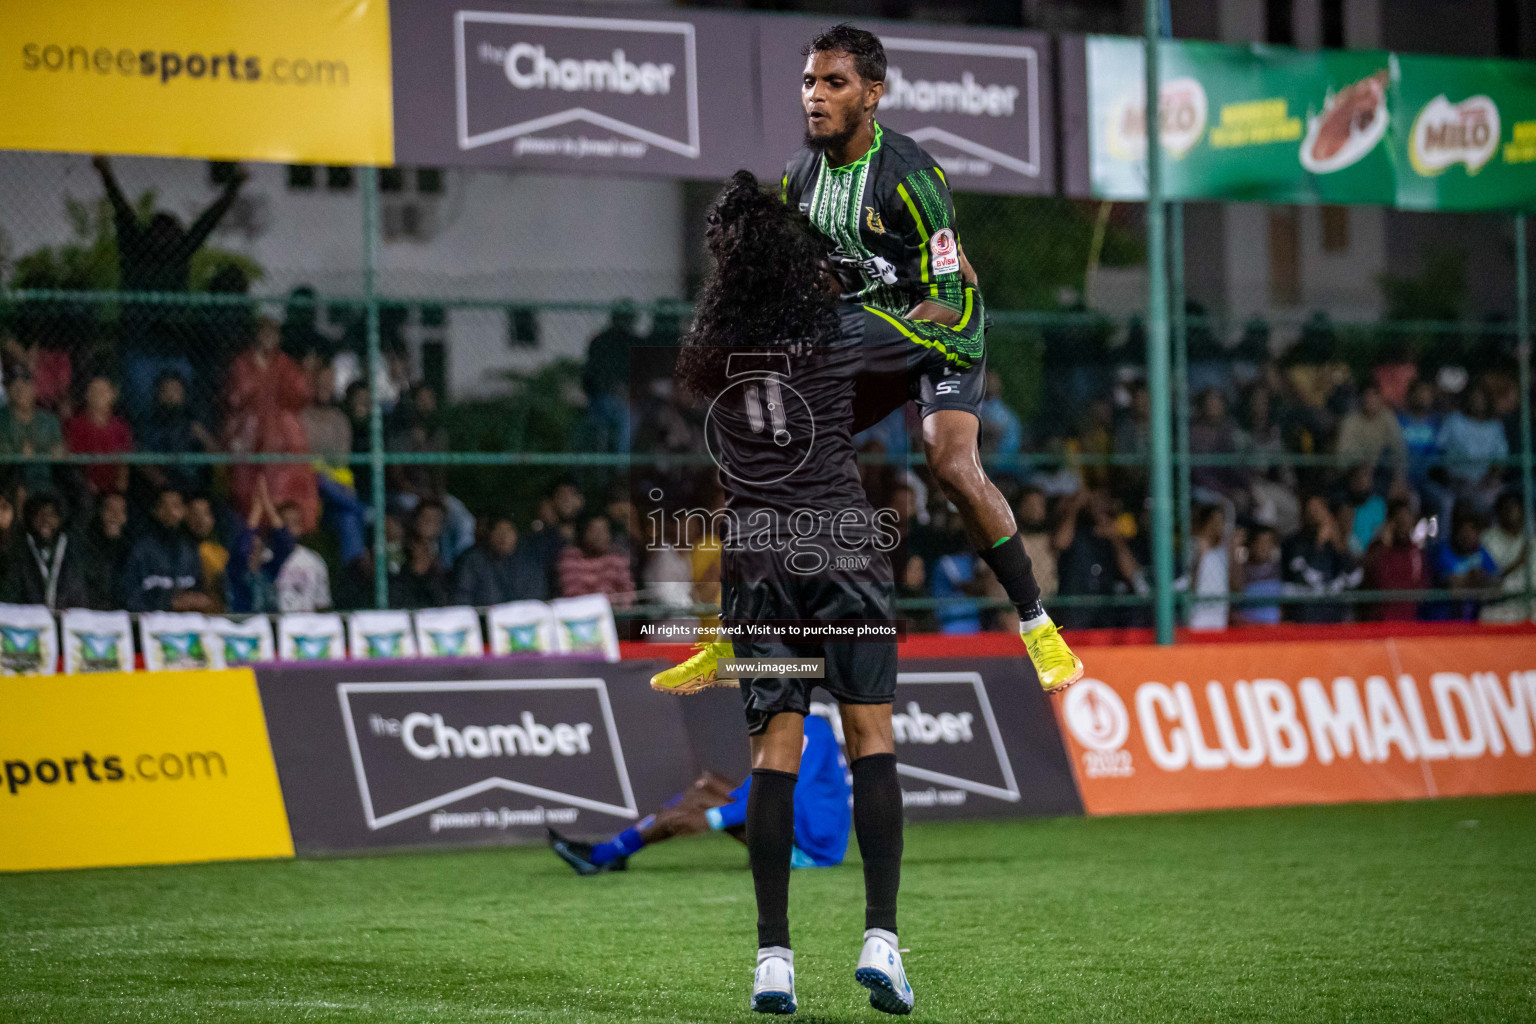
column 1248, row 725
column 1271, row 124
column 284, row 80
column 610, row 89
column 980, row 101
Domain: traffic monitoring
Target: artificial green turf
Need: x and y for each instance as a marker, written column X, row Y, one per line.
column 1376, row 913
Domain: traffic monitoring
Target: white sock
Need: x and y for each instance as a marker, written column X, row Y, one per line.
column 880, row 933
column 1034, row 623
column 767, row 952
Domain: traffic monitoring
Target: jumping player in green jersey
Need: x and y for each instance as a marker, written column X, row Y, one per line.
column 883, row 206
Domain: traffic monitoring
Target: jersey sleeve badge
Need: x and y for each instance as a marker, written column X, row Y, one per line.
column 944, row 252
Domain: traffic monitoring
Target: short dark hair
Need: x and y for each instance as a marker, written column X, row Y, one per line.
column 864, row 47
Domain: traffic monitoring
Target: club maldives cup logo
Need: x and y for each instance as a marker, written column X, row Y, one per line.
column 552, row 85
column 1099, row 720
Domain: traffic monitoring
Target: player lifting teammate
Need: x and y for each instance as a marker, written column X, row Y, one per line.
column 882, row 206
column 778, row 358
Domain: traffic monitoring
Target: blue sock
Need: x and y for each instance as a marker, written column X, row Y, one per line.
column 621, row 845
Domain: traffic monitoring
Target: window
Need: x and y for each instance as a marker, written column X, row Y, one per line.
column 1279, row 23
column 338, row 179
column 1284, row 256
column 1335, row 228
column 301, row 176
column 1332, row 14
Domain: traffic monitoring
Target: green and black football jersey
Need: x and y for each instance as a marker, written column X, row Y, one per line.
column 781, row 425
column 889, row 220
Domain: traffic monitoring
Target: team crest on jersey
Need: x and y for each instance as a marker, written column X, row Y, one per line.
column 946, row 258
column 873, row 222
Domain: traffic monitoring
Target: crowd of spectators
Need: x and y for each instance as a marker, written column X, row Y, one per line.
column 1414, row 491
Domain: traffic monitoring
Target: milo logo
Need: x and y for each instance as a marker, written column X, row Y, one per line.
column 1447, row 133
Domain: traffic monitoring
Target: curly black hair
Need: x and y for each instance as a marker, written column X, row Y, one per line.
column 864, row 47
column 769, row 286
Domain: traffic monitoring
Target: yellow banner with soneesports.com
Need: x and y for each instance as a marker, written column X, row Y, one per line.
column 146, row 768
column 299, row 81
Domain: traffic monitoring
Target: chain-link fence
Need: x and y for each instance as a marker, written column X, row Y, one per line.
column 456, row 356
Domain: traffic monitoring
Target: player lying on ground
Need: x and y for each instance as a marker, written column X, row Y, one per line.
column 882, row 206
column 822, row 820
column 777, row 358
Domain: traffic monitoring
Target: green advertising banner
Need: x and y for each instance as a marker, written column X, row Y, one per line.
column 1278, row 125
column 1468, row 133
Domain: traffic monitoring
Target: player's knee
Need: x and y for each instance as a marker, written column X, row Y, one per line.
column 956, row 471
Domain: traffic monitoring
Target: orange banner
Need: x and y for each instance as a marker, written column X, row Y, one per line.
column 1249, row 725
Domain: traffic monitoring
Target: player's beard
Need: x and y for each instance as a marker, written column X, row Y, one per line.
column 836, row 140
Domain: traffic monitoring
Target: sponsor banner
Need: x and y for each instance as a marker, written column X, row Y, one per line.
column 29, row 640
column 282, row 80
column 1270, row 124
column 979, row 101
column 1466, row 133
column 611, row 89
column 975, row 738
column 521, row 627
column 310, row 637
column 386, row 634
column 434, row 753
column 449, row 633
column 238, row 644
column 1245, row 725
column 136, row 769
column 176, row 641
column 584, row 626
column 96, row 641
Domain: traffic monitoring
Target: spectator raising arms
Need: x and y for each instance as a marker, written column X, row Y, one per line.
column 46, row 570
column 164, row 572
column 258, row 557
column 591, row 566
column 98, row 430
column 263, row 397
column 303, row 582
column 157, row 257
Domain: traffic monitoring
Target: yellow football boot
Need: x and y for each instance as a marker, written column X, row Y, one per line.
column 697, row 673
column 1055, row 664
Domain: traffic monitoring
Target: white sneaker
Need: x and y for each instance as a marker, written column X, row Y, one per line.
column 881, row 972
column 773, row 987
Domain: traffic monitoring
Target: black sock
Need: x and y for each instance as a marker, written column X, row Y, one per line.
column 770, row 845
column 877, row 822
column 1011, row 565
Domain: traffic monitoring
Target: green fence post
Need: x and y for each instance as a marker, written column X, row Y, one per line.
column 375, row 365
column 1523, row 350
column 1181, row 481
column 1157, row 346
